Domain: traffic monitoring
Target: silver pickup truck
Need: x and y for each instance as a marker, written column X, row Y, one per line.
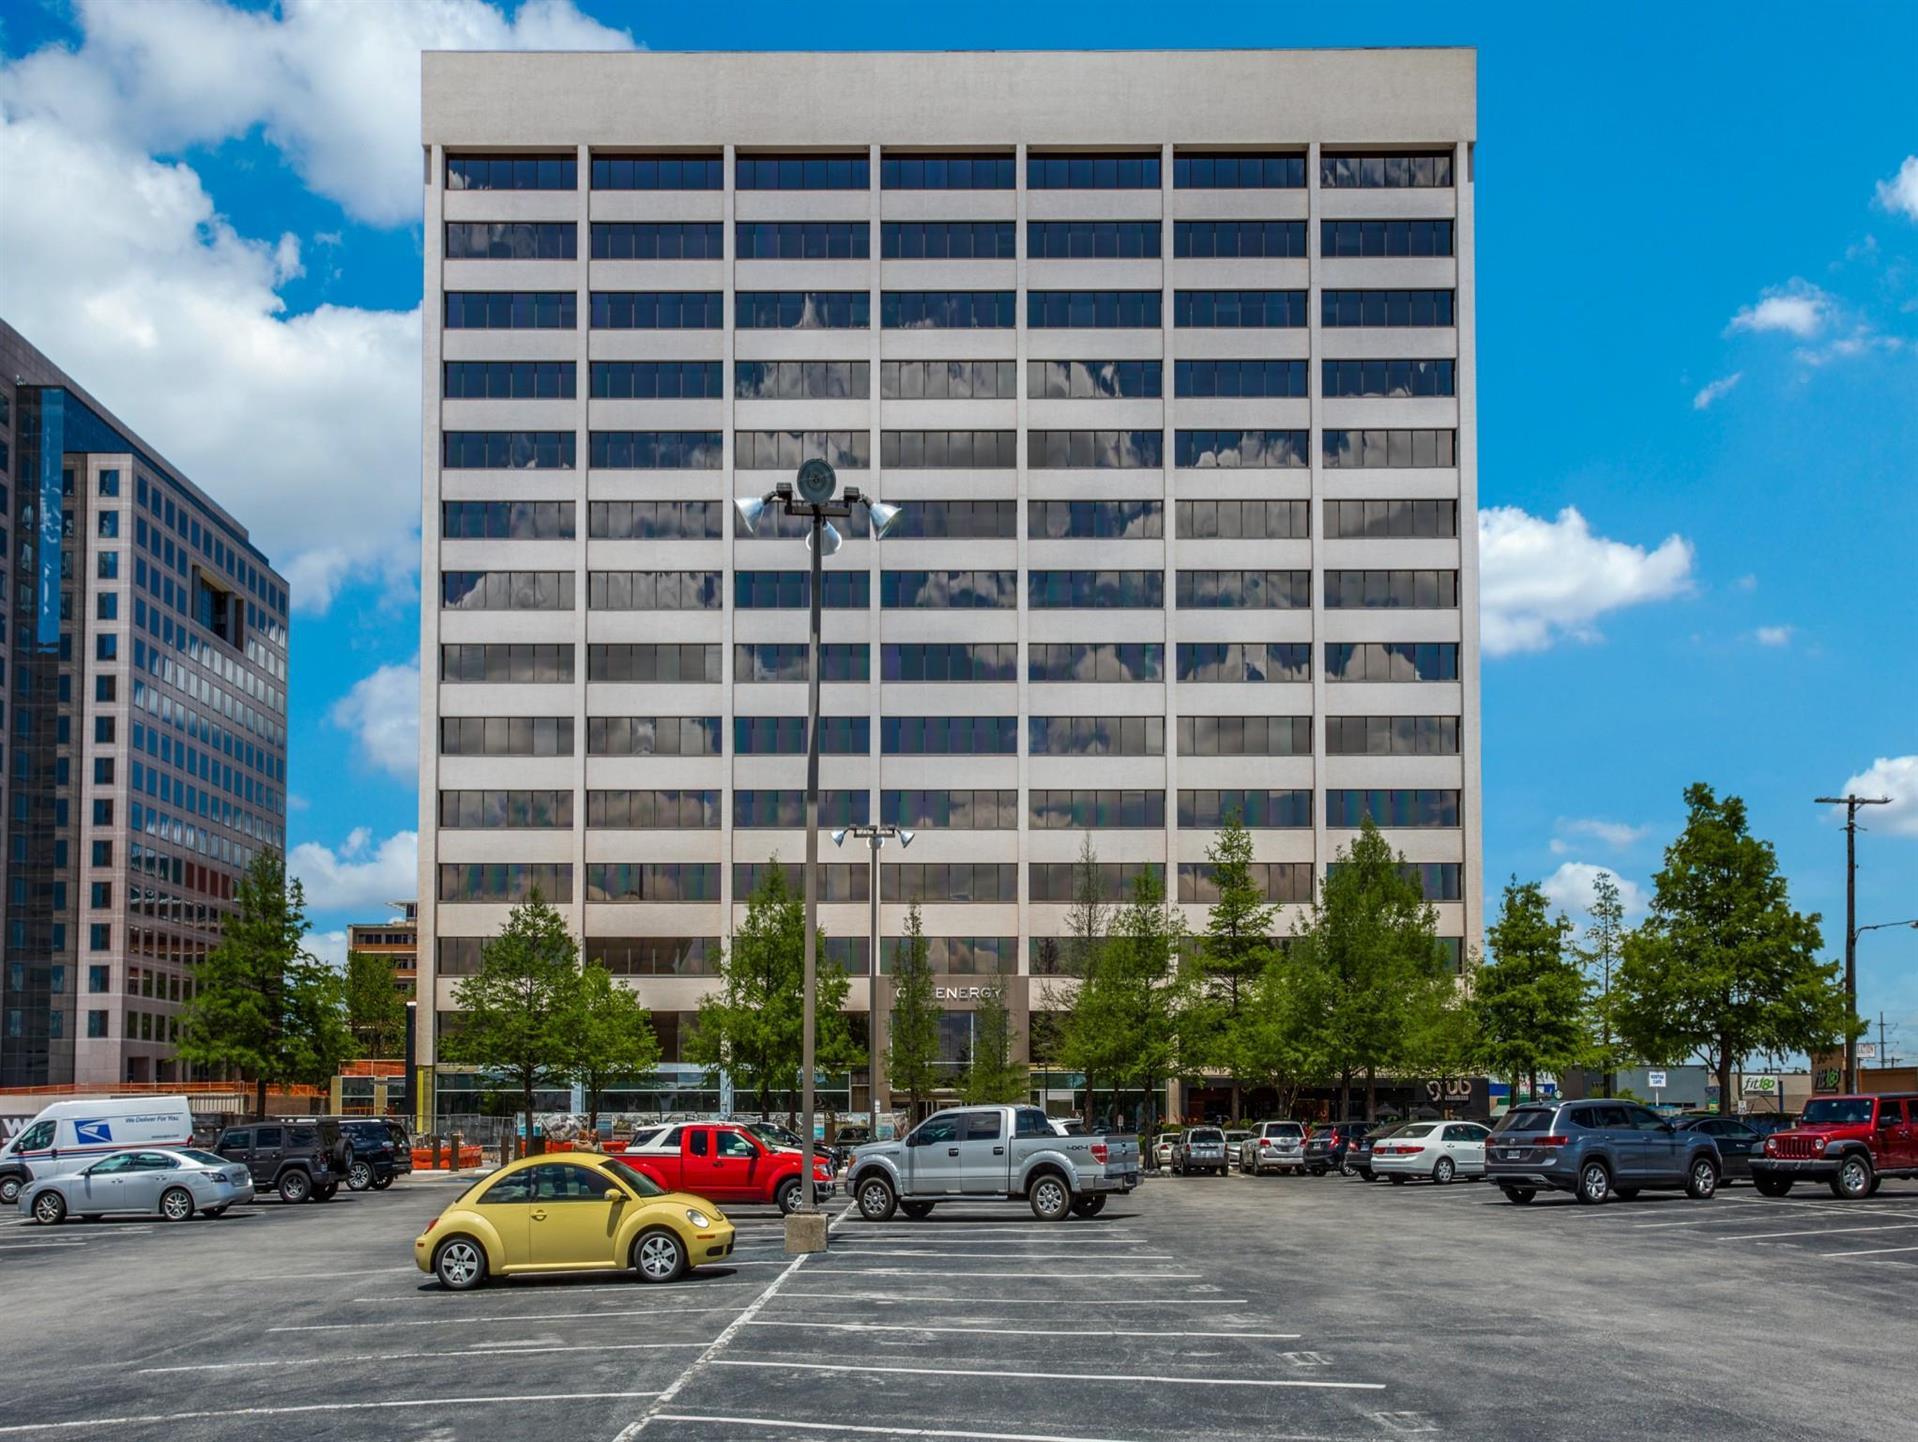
column 997, row 1152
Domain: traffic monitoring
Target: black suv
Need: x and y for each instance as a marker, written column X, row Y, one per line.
column 381, row 1151
column 302, row 1160
column 1330, row 1144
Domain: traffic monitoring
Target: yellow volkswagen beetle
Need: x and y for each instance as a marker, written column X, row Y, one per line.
column 573, row 1212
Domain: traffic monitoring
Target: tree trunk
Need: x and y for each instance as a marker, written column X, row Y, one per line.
column 1345, row 1095
column 259, row 1097
column 1371, row 1093
column 1725, row 1081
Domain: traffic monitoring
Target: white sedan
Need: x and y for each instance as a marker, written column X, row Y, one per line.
column 1438, row 1150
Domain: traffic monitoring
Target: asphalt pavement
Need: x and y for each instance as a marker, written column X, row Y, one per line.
column 1316, row 1309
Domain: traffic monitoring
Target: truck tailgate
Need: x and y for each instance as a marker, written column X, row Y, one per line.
column 1122, row 1153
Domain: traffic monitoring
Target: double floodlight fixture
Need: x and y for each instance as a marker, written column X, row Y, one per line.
column 879, row 834
column 812, row 493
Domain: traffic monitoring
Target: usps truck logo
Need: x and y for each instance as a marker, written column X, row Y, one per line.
column 92, row 1134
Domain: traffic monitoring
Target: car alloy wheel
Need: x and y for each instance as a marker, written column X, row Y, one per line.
column 1703, row 1182
column 177, row 1204
column 460, row 1264
column 660, row 1257
column 1050, row 1199
column 295, row 1186
column 876, row 1201
column 787, row 1196
column 359, row 1177
column 49, row 1209
column 1593, row 1183
column 1853, row 1179
column 1442, row 1173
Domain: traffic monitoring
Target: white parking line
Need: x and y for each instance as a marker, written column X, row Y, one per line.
column 1084, row 1276
column 710, row 1355
column 1816, row 1232
column 992, row 1329
column 524, row 1317
column 786, row 1424
column 175, row 1416
column 1871, row 1252
column 891, row 1297
column 492, row 1350
column 1053, row 1376
column 1002, row 1255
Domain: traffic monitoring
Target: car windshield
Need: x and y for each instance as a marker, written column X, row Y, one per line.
column 205, row 1159
column 635, row 1181
column 1418, row 1129
column 1838, row 1109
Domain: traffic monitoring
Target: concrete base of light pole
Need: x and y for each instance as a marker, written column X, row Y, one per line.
column 805, row 1232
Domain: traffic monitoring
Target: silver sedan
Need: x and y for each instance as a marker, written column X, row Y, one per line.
column 174, row 1183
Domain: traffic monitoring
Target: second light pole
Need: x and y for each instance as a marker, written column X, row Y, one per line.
column 874, row 837
column 810, row 494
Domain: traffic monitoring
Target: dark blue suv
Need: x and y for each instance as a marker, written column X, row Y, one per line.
column 1595, row 1148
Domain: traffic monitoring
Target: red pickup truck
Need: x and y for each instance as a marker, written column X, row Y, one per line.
column 724, row 1162
column 1851, row 1143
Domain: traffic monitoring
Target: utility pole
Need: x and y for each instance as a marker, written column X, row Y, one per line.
column 1851, row 803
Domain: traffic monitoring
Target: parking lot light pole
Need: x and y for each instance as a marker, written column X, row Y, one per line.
column 1851, row 803
column 875, row 837
column 810, row 494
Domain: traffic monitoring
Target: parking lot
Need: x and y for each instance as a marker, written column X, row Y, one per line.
column 1240, row 1308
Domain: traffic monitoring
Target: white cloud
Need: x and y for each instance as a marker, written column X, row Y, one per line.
column 329, row 947
column 1746, row 582
column 307, row 427
column 1892, row 776
column 1570, row 889
column 335, row 88
column 1617, row 835
column 1900, row 194
column 1543, row 581
column 383, row 712
column 357, row 876
column 1716, row 390
column 1773, row 635
column 1798, row 308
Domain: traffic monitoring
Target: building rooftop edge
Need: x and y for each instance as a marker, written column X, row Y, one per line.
column 56, row 375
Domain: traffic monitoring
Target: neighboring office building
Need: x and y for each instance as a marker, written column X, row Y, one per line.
column 1169, row 357
column 396, row 940
column 145, row 753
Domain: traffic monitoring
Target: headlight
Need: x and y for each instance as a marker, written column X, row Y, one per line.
column 698, row 1218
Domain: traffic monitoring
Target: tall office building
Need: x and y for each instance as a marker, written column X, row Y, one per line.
column 145, row 732
column 1168, row 357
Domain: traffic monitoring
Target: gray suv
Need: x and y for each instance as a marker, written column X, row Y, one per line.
column 1593, row 1149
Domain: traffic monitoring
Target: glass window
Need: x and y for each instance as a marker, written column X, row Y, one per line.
column 1237, row 170
column 1389, row 308
column 803, row 172
column 512, row 310
column 802, row 310
column 1135, row 171
column 946, row 172
column 512, row 172
column 658, row 172
column 948, row 240
column 1092, row 239
column 652, row 240
column 1093, row 309
column 946, row 310
column 512, row 240
column 982, row 1126
column 1239, row 239
column 1386, row 170
column 658, row 310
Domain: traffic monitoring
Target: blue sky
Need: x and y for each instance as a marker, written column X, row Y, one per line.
column 1698, row 330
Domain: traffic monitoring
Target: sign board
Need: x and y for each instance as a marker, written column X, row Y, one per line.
column 1827, row 1079
column 1760, row 1086
column 1656, row 1080
column 958, row 993
column 1868, row 1051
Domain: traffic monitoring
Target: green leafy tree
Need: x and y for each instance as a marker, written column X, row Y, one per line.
column 1280, row 1041
column 912, row 1042
column 1529, row 1002
column 993, row 1071
column 262, row 1005
column 1148, row 990
column 515, row 1008
column 1601, row 951
column 753, row 1025
column 609, row 1039
column 1086, row 1043
column 1233, row 956
column 375, row 1010
column 1367, row 962
column 1722, row 967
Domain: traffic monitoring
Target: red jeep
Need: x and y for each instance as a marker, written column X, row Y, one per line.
column 1852, row 1143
